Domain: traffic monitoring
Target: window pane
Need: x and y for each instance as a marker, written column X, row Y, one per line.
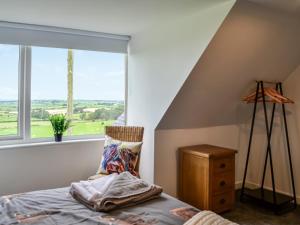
column 9, row 75
column 99, row 91
column 48, row 88
column 94, row 82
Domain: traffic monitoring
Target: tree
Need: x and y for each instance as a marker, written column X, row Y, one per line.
column 79, row 109
column 40, row 114
column 83, row 116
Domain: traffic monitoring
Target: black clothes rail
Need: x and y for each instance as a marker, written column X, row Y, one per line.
column 271, row 199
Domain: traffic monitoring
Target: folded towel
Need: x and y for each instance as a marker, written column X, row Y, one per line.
column 120, row 190
column 93, row 190
column 208, row 218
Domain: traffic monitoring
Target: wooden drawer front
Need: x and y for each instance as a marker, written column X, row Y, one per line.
column 223, row 182
column 223, row 202
column 223, row 165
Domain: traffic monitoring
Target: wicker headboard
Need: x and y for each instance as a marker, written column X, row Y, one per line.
column 125, row 133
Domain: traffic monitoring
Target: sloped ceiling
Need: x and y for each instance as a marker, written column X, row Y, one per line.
column 111, row 16
column 255, row 42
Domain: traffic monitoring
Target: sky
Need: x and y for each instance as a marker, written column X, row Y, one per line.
column 97, row 75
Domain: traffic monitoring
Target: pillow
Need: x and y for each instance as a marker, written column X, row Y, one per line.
column 119, row 156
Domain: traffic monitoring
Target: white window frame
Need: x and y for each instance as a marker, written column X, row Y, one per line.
column 24, row 105
column 20, row 109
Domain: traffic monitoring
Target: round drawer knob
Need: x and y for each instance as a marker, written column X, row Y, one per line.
column 223, row 165
column 222, row 183
column 222, row 201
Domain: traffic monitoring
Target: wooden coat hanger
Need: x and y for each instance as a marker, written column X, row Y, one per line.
column 265, row 94
column 272, row 96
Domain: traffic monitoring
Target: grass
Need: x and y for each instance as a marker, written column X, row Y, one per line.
column 7, row 117
column 40, row 129
column 8, row 128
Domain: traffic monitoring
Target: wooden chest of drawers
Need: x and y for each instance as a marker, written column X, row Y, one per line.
column 207, row 177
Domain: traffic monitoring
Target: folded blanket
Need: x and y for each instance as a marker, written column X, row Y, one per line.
column 208, row 218
column 120, row 190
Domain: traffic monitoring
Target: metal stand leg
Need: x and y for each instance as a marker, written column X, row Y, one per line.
column 289, row 148
column 250, row 140
column 267, row 152
column 269, row 144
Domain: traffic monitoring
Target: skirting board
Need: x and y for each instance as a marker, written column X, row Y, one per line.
column 251, row 185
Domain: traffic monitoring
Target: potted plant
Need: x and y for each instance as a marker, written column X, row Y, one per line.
column 60, row 124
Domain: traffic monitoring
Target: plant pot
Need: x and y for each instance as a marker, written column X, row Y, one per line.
column 58, row 137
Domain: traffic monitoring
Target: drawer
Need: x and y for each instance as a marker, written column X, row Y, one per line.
column 223, row 182
column 223, row 202
column 223, row 165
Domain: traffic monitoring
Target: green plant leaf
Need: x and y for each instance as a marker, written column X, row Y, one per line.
column 59, row 123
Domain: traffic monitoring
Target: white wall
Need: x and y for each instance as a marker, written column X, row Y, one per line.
column 267, row 50
column 160, row 59
column 167, row 143
column 47, row 166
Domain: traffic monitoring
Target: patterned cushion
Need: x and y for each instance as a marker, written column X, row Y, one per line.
column 119, row 156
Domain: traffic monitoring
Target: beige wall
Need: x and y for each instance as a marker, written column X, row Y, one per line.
column 168, row 141
column 47, row 166
column 159, row 61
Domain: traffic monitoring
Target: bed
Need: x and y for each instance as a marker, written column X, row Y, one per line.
column 57, row 206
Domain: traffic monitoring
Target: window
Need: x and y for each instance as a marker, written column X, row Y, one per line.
column 92, row 94
column 48, row 70
column 99, row 91
column 87, row 86
column 48, row 88
column 9, row 83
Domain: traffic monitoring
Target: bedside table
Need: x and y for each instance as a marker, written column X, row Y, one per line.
column 207, row 177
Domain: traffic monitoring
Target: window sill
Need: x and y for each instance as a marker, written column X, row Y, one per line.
column 46, row 142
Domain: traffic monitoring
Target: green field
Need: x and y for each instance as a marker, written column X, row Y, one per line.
column 89, row 118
